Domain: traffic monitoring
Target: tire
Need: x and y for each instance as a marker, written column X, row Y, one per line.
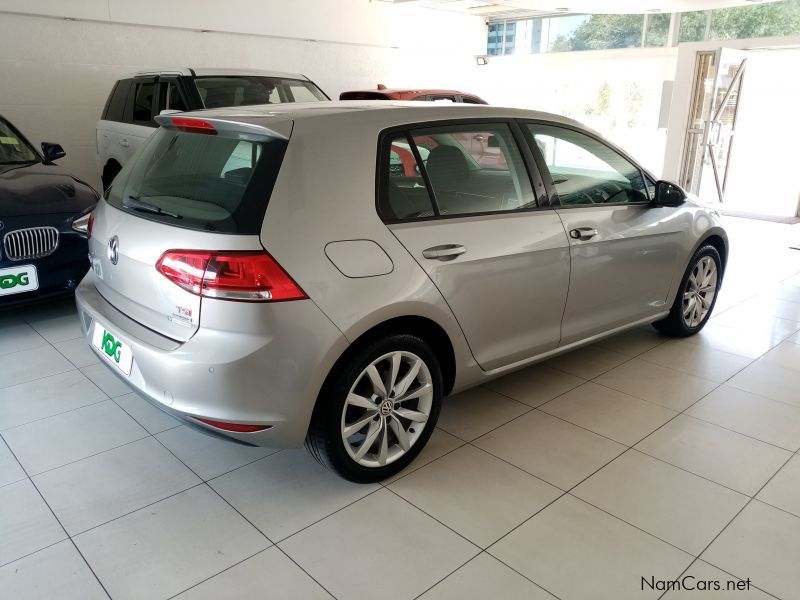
column 351, row 398
column 678, row 325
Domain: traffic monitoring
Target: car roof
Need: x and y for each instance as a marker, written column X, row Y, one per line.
column 381, row 113
column 210, row 71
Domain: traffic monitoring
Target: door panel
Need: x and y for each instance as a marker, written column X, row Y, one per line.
column 623, row 250
column 501, row 263
column 508, row 289
column 622, row 273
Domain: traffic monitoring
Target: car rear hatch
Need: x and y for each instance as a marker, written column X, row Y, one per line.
column 197, row 188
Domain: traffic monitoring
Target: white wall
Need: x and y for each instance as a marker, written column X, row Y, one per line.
column 763, row 175
column 56, row 72
column 572, row 83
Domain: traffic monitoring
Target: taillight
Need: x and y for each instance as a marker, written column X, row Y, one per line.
column 246, row 276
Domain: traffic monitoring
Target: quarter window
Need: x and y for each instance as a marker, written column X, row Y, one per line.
column 404, row 195
column 586, row 171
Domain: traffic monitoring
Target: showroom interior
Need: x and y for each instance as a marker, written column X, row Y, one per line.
column 617, row 460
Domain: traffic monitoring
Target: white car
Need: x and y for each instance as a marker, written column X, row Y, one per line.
column 134, row 102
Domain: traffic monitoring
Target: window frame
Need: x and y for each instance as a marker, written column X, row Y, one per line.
column 538, row 186
column 550, row 186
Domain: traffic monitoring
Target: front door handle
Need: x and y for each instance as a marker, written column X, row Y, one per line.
column 583, row 233
column 444, row 252
column 124, row 143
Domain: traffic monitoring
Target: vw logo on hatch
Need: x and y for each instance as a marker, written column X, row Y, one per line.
column 113, row 250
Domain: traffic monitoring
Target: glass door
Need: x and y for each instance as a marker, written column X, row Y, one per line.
column 716, row 91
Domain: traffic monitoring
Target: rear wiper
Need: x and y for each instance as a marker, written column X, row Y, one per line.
column 134, row 203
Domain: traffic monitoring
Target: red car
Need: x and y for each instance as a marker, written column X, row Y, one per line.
column 382, row 93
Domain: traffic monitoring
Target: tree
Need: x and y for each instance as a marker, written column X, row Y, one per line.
column 604, row 31
column 763, row 20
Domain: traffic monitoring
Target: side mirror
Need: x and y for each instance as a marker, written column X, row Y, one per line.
column 52, row 152
column 669, row 194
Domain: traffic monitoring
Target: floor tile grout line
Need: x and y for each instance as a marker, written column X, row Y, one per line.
column 605, row 465
column 482, row 552
column 72, row 462
column 340, row 509
column 685, row 470
column 733, row 385
column 742, row 434
column 610, row 514
column 72, row 368
column 135, row 510
column 522, row 414
column 728, row 524
column 422, row 466
column 517, row 467
column 58, row 414
column 458, row 533
column 236, row 564
column 60, row 524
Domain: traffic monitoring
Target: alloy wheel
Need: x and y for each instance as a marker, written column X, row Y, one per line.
column 701, row 287
column 387, row 409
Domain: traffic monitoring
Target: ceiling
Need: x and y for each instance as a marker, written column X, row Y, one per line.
column 512, row 9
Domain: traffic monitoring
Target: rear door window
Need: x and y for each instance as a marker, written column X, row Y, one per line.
column 143, row 98
column 442, row 171
column 199, row 181
column 115, row 107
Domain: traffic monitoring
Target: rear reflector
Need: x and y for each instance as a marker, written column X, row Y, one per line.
column 236, row 427
column 193, row 125
column 244, row 276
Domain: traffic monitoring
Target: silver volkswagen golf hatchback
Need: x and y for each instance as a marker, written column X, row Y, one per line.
column 326, row 273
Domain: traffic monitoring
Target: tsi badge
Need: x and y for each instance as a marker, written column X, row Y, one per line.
column 18, row 279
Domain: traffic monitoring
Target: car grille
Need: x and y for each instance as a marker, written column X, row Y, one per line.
column 30, row 243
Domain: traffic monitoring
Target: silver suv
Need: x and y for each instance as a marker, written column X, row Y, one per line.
column 134, row 102
column 328, row 273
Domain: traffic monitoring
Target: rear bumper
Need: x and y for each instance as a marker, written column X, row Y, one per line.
column 267, row 373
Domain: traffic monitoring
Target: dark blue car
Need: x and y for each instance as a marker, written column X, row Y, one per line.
column 44, row 217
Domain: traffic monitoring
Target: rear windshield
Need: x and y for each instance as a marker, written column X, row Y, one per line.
column 200, row 181
column 221, row 91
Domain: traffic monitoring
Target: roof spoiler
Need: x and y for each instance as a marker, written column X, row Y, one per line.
column 214, row 125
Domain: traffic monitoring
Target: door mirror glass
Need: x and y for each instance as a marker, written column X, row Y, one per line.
column 669, row 194
column 52, row 152
column 493, row 142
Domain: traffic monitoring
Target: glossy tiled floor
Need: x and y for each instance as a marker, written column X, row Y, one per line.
column 637, row 457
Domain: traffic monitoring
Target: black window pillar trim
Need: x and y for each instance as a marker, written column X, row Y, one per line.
column 534, row 170
column 424, row 172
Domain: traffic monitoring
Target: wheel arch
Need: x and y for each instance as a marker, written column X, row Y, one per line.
column 427, row 329
column 719, row 241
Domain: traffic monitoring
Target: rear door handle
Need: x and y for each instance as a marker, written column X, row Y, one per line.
column 124, row 143
column 444, row 252
column 583, row 233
